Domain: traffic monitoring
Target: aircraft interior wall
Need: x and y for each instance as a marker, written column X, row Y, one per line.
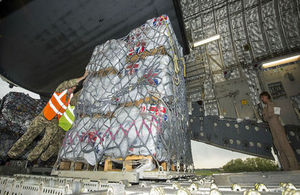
column 283, row 85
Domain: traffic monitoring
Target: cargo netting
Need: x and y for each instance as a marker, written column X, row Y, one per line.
column 17, row 110
column 133, row 101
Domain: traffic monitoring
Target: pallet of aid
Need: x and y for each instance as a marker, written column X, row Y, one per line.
column 133, row 102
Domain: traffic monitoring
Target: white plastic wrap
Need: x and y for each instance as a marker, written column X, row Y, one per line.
column 114, row 115
column 110, row 54
column 153, row 34
column 154, row 74
column 132, row 131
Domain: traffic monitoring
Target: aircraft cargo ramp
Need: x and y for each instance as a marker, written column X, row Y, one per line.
column 229, row 183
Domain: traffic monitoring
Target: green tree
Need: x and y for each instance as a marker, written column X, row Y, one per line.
column 250, row 164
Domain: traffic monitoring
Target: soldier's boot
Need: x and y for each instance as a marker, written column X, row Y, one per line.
column 54, row 145
column 12, row 153
column 38, row 149
column 17, row 149
column 51, row 150
column 50, row 131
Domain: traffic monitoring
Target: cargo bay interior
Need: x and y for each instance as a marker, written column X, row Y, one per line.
column 228, row 51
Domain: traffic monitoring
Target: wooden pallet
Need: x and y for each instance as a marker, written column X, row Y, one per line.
column 111, row 164
column 173, row 166
column 127, row 163
column 66, row 165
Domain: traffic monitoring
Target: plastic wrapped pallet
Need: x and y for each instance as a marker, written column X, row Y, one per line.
column 126, row 134
column 98, row 94
column 133, row 101
column 153, row 74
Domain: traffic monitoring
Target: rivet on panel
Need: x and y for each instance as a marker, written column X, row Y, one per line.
column 292, row 133
column 215, row 192
column 194, row 187
column 287, row 186
column 236, row 187
column 213, row 186
column 251, row 192
column 183, row 191
column 261, row 187
column 176, row 186
column 258, row 144
column 157, row 190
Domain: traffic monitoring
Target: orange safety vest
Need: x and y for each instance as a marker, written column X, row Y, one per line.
column 56, row 105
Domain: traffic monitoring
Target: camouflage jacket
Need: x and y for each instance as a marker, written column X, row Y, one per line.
column 73, row 101
column 66, row 85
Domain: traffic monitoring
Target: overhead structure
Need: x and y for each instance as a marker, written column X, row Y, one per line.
column 223, row 74
column 43, row 43
column 205, row 41
column 281, row 61
column 251, row 32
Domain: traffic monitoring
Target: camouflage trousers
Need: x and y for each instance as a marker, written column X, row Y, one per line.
column 48, row 146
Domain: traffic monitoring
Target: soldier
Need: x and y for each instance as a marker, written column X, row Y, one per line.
column 56, row 142
column 48, row 120
column 271, row 114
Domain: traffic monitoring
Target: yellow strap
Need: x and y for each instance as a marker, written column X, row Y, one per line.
column 175, row 58
column 176, row 68
column 183, row 63
column 176, row 80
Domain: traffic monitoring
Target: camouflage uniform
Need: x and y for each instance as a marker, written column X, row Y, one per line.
column 56, row 142
column 52, row 133
column 286, row 155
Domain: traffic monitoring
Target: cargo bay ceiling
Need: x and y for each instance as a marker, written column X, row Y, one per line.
column 45, row 42
column 223, row 82
column 251, row 31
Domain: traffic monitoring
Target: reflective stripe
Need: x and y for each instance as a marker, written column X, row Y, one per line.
column 72, row 109
column 70, row 112
column 53, row 107
column 59, row 101
column 71, row 96
column 62, row 94
column 70, row 99
column 68, row 119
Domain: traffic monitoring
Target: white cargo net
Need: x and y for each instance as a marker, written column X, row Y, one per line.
column 133, row 100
